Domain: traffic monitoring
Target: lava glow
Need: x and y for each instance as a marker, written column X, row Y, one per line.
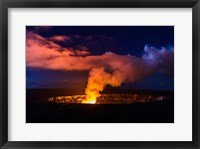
column 91, row 96
column 98, row 79
column 90, row 101
column 107, row 99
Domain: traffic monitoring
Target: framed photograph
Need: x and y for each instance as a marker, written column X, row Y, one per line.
column 99, row 74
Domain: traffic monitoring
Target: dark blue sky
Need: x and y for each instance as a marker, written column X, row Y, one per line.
column 121, row 40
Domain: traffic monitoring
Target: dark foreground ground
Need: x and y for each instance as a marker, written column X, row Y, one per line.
column 39, row 110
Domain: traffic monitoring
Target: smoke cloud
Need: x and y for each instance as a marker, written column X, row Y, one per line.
column 106, row 69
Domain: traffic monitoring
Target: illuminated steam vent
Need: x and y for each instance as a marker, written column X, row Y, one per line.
column 107, row 99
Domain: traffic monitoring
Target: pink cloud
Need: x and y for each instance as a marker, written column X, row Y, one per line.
column 49, row 55
column 60, row 38
column 40, row 49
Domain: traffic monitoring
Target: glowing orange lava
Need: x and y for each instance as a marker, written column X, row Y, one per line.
column 89, row 102
column 91, row 97
column 107, row 99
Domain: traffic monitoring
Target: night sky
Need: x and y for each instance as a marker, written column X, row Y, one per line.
column 97, row 40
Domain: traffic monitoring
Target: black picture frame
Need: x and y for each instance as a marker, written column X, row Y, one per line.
column 5, row 4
